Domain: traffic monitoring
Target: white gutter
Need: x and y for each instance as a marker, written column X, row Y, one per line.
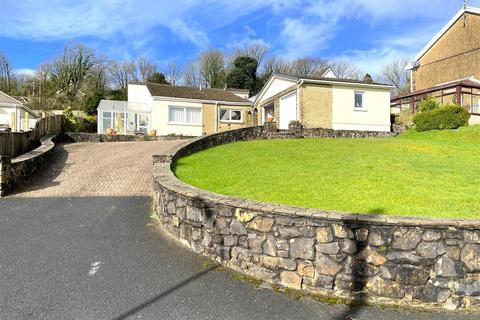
column 342, row 83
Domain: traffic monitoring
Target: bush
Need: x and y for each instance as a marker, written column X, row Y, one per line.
column 428, row 104
column 447, row 117
column 71, row 122
column 89, row 124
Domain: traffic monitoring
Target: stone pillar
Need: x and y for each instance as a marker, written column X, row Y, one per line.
column 270, row 127
column 5, row 175
column 296, row 128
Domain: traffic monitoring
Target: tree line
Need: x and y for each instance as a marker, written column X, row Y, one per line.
column 79, row 77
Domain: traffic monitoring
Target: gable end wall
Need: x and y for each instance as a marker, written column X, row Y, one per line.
column 454, row 56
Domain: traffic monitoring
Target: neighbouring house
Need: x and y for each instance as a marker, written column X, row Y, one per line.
column 167, row 109
column 324, row 102
column 15, row 116
column 447, row 69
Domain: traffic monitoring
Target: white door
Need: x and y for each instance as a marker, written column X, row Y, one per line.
column 288, row 110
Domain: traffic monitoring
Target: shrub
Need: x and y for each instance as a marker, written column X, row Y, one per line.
column 428, row 104
column 447, row 117
column 89, row 124
column 71, row 122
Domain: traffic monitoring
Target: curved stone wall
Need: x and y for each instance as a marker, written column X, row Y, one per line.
column 387, row 259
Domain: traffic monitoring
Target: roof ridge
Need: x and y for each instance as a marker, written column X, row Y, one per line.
column 15, row 101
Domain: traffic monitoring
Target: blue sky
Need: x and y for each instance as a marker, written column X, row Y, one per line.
column 368, row 33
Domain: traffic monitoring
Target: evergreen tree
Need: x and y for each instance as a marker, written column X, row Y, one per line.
column 244, row 74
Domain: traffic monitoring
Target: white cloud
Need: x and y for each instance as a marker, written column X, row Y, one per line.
column 315, row 29
column 25, row 71
column 48, row 20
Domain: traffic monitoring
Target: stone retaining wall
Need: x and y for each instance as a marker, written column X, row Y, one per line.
column 95, row 137
column 387, row 259
column 19, row 169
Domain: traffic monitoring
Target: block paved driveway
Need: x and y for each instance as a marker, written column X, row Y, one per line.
column 99, row 169
column 79, row 243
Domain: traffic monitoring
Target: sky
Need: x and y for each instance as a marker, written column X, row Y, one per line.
column 366, row 33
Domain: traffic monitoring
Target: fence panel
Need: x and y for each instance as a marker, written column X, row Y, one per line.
column 13, row 144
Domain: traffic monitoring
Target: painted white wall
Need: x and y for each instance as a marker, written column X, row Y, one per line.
column 139, row 94
column 276, row 86
column 474, row 120
column 329, row 74
column 6, row 116
column 159, row 119
column 375, row 115
column 288, row 109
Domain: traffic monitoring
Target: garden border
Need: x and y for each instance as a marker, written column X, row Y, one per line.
column 425, row 262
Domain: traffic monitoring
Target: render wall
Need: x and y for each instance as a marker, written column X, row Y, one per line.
column 160, row 119
column 375, row 116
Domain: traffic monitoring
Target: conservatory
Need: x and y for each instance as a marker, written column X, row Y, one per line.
column 122, row 117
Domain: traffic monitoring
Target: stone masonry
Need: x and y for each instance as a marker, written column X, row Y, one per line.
column 394, row 260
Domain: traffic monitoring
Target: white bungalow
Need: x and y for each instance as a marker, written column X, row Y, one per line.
column 15, row 116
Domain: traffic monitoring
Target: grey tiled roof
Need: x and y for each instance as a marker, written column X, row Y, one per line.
column 5, row 98
column 165, row 90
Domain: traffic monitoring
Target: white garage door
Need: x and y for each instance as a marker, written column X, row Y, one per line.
column 288, row 110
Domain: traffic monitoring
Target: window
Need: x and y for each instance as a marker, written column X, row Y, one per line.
column 228, row 115
column 141, row 120
column 184, row 115
column 359, row 99
column 107, row 120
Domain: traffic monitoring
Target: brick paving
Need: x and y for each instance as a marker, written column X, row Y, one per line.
column 98, row 169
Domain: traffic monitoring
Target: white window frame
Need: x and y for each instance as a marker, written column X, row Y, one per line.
column 362, row 108
column 230, row 115
column 185, row 123
column 137, row 121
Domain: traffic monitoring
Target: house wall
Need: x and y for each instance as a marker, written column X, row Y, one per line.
column 139, row 94
column 210, row 125
column 315, row 105
column 277, row 85
column 374, row 117
column 159, row 119
column 5, row 116
column 454, row 56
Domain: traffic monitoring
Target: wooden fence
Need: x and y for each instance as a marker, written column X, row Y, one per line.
column 13, row 144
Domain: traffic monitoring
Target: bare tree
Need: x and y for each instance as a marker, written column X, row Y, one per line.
column 119, row 74
column 145, row 69
column 191, row 76
column 212, row 68
column 46, row 90
column 174, row 73
column 275, row 65
column 255, row 50
column 70, row 71
column 345, row 70
column 308, row 67
column 6, row 74
column 395, row 73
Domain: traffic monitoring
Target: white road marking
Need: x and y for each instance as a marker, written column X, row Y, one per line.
column 94, row 266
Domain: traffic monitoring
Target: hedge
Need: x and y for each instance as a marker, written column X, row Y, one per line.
column 447, row 117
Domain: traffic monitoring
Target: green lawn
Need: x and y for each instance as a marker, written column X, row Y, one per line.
column 434, row 173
